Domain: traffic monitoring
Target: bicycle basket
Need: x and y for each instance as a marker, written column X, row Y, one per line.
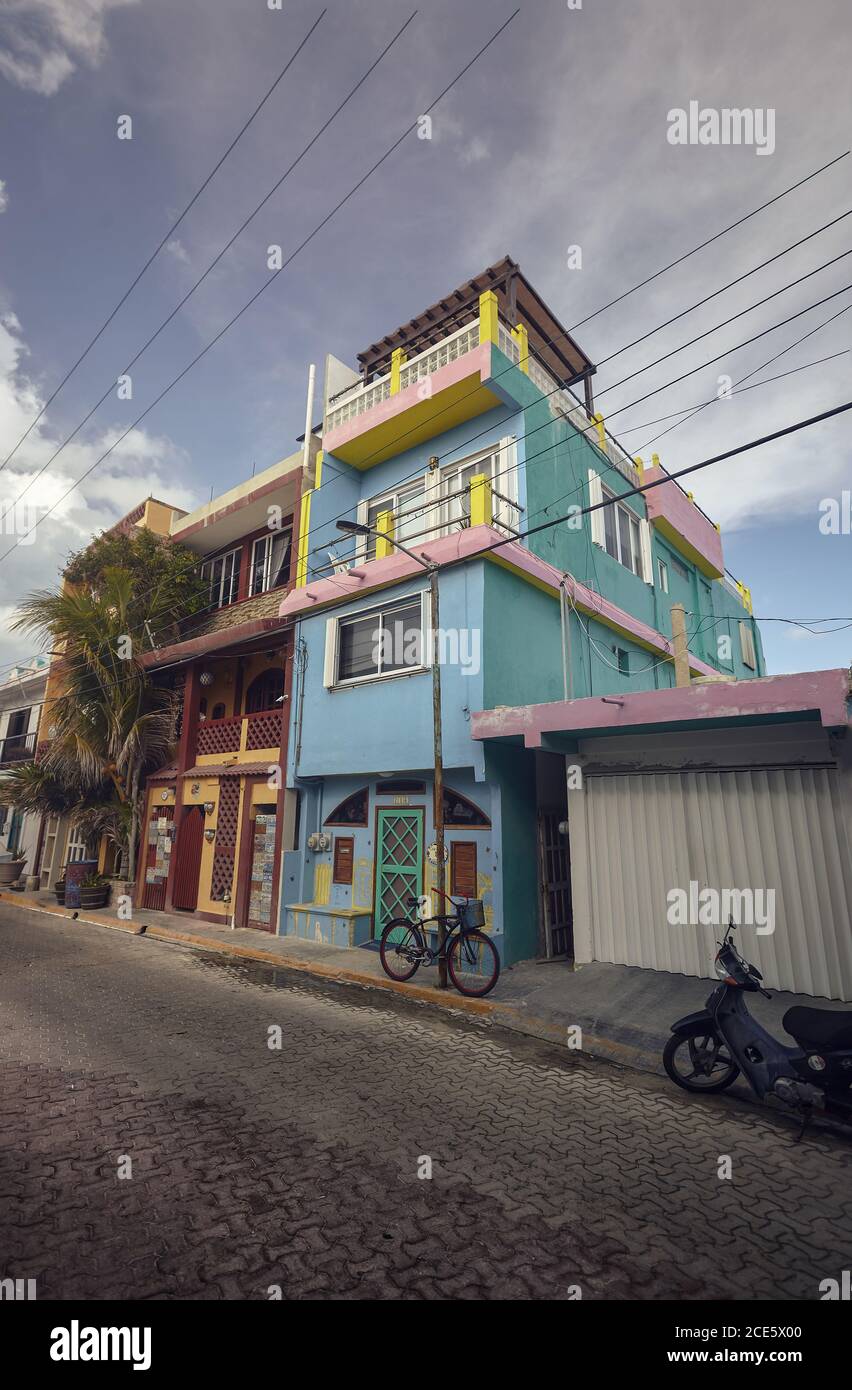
column 472, row 914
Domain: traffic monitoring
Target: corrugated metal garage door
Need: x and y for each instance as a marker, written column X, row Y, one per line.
column 636, row 836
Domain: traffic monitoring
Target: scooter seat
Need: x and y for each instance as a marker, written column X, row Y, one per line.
column 826, row 1028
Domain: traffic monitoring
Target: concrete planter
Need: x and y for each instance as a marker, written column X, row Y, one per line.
column 10, row 871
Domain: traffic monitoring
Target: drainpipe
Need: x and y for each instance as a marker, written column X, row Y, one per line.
column 565, row 621
column 309, row 411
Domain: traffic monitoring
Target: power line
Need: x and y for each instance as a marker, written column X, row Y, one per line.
column 642, row 447
column 687, row 409
column 528, row 459
column 749, row 375
column 228, row 244
column 678, row 473
column 758, row 304
column 551, row 341
column 656, row 274
column 169, row 234
column 392, row 148
column 671, row 265
column 739, row 279
column 645, row 487
column 592, row 427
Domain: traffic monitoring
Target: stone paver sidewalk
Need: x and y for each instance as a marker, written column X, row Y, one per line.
column 156, row 1146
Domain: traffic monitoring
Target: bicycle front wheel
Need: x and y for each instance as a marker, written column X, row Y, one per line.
column 400, row 950
column 473, row 964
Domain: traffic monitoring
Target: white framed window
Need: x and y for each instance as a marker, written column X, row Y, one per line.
column 436, row 504
column 223, row 576
column 385, row 641
column 622, row 535
column 618, row 530
column 747, row 651
column 663, row 575
column 270, row 561
column 498, row 463
column 410, row 518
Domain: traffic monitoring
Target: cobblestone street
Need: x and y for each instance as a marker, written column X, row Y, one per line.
column 254, row 1167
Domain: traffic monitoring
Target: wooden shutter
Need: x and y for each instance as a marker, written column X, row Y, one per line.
column 329, row 674
column 505, row 480
column 344, row 858
column 463, row 868
column 361, row 541
column 596, row 518
column 645, row 542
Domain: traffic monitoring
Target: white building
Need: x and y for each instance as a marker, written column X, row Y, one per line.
column 21, row 703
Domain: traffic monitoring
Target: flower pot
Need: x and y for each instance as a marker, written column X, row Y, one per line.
column 94, row 897
column 11, row 870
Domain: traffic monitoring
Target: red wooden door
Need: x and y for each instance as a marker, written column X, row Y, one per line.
column 188, row 860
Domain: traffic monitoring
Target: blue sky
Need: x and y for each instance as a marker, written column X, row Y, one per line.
column 556, row 138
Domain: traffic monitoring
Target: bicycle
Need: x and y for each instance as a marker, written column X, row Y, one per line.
column 473, row 964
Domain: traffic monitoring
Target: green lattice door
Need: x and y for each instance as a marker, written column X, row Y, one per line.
column 399, row 864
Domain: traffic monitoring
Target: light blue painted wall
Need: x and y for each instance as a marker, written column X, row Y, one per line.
column 343, row 487
column 386, row 725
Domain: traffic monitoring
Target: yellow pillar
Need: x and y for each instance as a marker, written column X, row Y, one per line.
column 640, row 467
column 522, row 338
column 599, row 422
column 305, row 527
column 384, row 541
column 488, row 317
column 655, row 460
column 745, row 596
column 481, row 505
column 397, row 359
column 304, row 533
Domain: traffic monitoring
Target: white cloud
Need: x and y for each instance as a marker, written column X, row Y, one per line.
column 44, row 41
column 176, row 248
column 4, row 196
column 140, row 465
column 474, row 151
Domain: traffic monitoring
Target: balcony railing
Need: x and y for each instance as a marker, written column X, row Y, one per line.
column 239, row 734
column 19, row 748
column 464, row 340
column 358, row 399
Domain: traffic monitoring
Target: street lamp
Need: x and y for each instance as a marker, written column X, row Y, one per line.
column 358, row 528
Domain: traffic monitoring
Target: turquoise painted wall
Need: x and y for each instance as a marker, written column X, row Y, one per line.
column 512, row 771
column 386, row 725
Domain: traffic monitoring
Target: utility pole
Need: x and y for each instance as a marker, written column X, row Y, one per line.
column 681, row 647
column 438, row 754
column 359, row 528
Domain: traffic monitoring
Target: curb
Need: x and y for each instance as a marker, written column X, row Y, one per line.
column 504, row 1015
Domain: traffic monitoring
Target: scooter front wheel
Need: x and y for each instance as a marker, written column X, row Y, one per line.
column 699, row 1061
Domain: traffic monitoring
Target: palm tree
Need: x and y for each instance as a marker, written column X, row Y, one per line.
column 110, row 725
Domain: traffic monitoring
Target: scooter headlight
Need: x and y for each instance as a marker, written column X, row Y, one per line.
column 817, row 1063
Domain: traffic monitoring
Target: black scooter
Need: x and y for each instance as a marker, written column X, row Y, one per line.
column 708, row 1050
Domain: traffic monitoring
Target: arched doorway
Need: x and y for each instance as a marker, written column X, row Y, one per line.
column 265, row 691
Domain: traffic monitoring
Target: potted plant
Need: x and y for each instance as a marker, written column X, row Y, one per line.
column 94, row 891
column 11, row 869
